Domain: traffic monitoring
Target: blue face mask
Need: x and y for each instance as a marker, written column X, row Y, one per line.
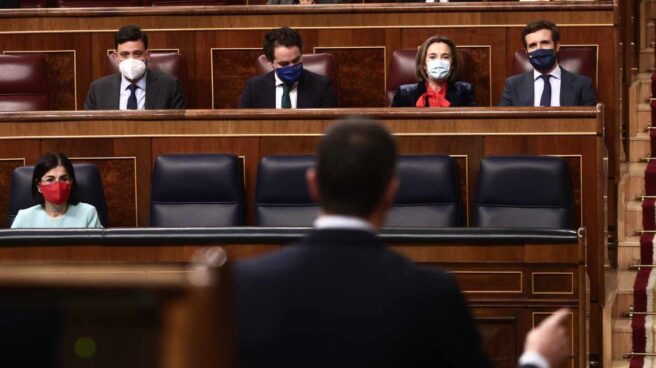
column 290, row 74
column 542, row 59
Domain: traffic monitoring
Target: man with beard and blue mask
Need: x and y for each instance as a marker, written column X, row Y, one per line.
column 289, row 85
column 134, row 87
column 548, row 84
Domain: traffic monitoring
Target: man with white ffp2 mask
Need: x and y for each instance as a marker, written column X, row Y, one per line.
column 134, row 87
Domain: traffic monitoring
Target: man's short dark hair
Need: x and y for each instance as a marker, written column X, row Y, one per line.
column 356, row 162
column 538, row 25
column 130, row 33
column 284, row 36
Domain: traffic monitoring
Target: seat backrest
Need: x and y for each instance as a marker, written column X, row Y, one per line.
column 204, row 190
column 89, row 187
column 23, row 82
column 281, row 194
column 323, row 64
column 167, row 62
column 576, row 59
column 429, row 194
column 524, row 191
column 402, row 70
column 95, row 3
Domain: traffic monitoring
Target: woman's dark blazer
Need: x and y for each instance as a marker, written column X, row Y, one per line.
column 458, row 93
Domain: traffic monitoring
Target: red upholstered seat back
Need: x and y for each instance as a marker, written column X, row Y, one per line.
column 23, row 83
column 576, row 59
column 402, row 70
column 167, row 62
column 323, row 64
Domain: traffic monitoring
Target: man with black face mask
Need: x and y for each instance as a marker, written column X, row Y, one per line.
column 548, row 84
column 288, row 86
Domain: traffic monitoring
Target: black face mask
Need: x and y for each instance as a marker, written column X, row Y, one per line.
column 542, row 59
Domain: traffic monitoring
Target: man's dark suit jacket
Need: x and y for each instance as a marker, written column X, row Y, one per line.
column 163, row 91
column 339, row 298
column 458, row 93
column 575, row 90
column 314, row 91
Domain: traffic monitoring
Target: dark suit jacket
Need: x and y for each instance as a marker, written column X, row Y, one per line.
column 458, row 93
column 339, row 298
column 163, row 91
column 575, row 90
column 314, row 91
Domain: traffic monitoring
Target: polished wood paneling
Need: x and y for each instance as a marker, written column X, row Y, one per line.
column 120, row 185
column 361, row 75
column 6, row 168
column 230, row 70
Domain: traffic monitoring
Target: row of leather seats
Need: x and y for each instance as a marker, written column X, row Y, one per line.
column 207, row 190
column 29, row 90
column 104, row 3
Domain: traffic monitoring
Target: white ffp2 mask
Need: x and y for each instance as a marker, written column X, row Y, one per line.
column 132, row 69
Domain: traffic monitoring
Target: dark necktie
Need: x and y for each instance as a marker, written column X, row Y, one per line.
column 545, row 100
column 286, row 102
column 132, row 100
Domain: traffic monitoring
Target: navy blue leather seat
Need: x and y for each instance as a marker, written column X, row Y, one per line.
column 281, row 194
column 429, row 194
column 89, row 187
column 524, row 191
column 205, row 190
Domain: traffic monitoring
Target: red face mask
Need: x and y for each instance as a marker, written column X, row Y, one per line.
column 57, row 192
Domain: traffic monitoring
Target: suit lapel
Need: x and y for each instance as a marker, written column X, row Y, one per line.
column 302, row 97
column 527, row 89
column 151, row 90
column 269, row 98
column 566, row 88
column 115, row 92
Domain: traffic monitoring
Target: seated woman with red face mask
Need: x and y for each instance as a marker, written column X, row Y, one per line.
column 55, row 191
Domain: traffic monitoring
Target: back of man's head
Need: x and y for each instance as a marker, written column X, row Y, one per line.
column 356, row 163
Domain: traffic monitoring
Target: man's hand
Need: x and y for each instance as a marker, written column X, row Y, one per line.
column 550, row 339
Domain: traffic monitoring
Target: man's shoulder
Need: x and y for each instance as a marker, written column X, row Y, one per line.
column 312, row 76
column 108, row 79
column 518, row 78
column 259, row 79
column 574, row 76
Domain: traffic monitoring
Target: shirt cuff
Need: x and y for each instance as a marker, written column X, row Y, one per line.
column 533, row 358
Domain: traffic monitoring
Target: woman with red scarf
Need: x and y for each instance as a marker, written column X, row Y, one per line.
column 55, row 191
column 438, row 66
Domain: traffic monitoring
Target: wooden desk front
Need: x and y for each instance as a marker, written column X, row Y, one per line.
column 511, row 278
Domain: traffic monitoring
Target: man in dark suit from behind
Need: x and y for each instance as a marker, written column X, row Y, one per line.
column 541, row 40
column 289, row 85
column 134, row 87
column 339, row 298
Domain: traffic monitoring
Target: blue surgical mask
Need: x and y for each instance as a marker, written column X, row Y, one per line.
column 290, row 74
column 542, row 59
column 438, row 69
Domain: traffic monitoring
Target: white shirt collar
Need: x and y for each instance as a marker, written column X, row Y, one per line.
column 279, row 82
column 343, row 222
column 141, row 82
column 556, row 73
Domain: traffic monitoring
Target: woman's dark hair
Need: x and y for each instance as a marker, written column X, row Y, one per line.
column 284, row 36
column 456, row 58
column 46, row 163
